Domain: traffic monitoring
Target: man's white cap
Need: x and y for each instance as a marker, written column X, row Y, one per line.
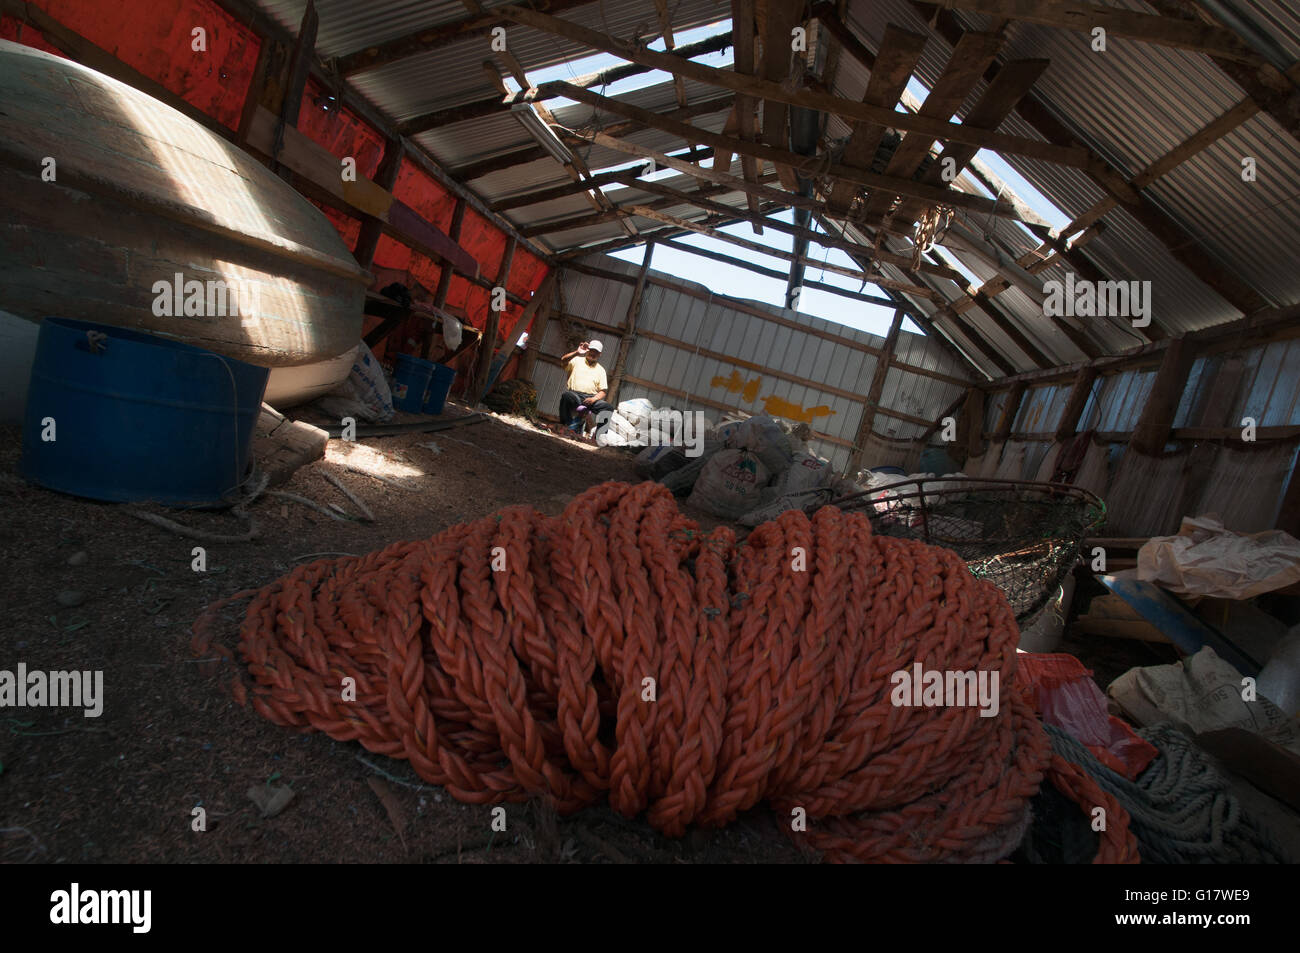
column 595, row 346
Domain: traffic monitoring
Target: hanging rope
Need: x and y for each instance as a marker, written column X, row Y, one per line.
column 934, row 219
column 617, row 652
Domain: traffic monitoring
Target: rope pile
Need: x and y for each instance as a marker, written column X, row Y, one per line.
column 511, row 658
column 1180, row 809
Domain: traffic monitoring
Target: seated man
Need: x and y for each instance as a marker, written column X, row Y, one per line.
column 587, row 387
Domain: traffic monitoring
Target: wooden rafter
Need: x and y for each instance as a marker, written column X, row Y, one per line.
column 900, row 52
column 758, row 248
column 778, row 67
column 690, row 133
column 970, row 57
column 666, row 25
column 742, row 28
column 493, row 105
column 821, row 238
column 749, row 265
column 1012, row 82
column 1071, row 156
column 1170, row 233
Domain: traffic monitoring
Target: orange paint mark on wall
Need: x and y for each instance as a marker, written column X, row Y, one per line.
column 779, row 407
column 735, row 384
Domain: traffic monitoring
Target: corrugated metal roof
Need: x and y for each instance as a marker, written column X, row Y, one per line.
column 1131, row 105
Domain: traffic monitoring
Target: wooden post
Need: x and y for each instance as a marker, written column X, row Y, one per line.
column 545, row 309
column 266, row 87
column 1080, row 391
column 372, row 228
column 1288, row 517
column 873, row 393
column 629, row 325
column 1009, row 411
column 487, row 345
column 299, row 69
column 1157, row 420
column 970, row 427
column 444, row 277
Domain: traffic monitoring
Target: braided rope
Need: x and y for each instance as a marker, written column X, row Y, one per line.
column 509, row 678
column 1180, row 809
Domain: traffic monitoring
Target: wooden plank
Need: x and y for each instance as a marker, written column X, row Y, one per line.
column 1155, row 424
column 1080, row 391
column 316, row 164
column 900, row 51
column 1009, row 86
column 970, row 57
column 742, row 25
column 761, row 249
column 948, row 196
column 304, row 50
column 628, row 331
column 373, row 228
column 776, row 67
column 821, row 238
column 1073, row 156
column 487, row 346
column 1009, row 411
column 282, row 446
column 877, row 387
column 271, row 59
column 538, row 310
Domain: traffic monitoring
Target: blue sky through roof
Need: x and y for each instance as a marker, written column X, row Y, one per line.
column 738, row 282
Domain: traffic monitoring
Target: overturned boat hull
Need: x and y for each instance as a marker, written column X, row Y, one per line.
column 121, row 210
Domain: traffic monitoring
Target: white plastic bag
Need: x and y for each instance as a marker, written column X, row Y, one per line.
column 763, row 436
column 365, row 393
column 730, row 483
column 807, row 471
column 636, row 411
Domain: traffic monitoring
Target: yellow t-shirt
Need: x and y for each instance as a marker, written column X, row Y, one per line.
column 586, row 378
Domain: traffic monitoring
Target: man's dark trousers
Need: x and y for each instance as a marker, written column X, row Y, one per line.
column 569, row 402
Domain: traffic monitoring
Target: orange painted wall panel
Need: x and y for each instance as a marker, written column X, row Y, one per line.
column 155, row 37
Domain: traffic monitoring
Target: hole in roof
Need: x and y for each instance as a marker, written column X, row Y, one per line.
column 723, row 278
column 580, row 66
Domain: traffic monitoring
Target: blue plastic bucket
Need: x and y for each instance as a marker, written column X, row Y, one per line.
column 410, row 382
column 439, row 388
column 137, row 417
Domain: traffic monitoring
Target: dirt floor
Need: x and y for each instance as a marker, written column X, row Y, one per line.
column 90, row 587
column 122, row 787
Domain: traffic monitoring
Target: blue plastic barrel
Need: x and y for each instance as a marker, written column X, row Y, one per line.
column 137, row 417
column 410, row 382
column 439, row 388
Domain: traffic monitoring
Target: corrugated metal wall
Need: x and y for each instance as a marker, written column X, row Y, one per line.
column 718, row 359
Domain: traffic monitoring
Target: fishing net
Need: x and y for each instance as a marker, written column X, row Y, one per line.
column 1022, row 537
column 514, row 396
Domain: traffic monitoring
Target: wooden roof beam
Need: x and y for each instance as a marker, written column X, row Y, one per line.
column 690, row 133
column 1071, row 156
column 492, row 105
column 1172, row 234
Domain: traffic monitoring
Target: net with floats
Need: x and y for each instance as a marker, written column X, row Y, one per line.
column 1024, row 537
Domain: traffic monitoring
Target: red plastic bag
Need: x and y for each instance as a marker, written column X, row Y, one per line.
column 1064, row 694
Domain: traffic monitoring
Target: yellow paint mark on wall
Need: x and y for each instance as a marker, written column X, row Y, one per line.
column 780, row 407
column 735, row 384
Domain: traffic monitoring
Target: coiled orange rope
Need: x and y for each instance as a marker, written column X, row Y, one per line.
column 616, row 651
